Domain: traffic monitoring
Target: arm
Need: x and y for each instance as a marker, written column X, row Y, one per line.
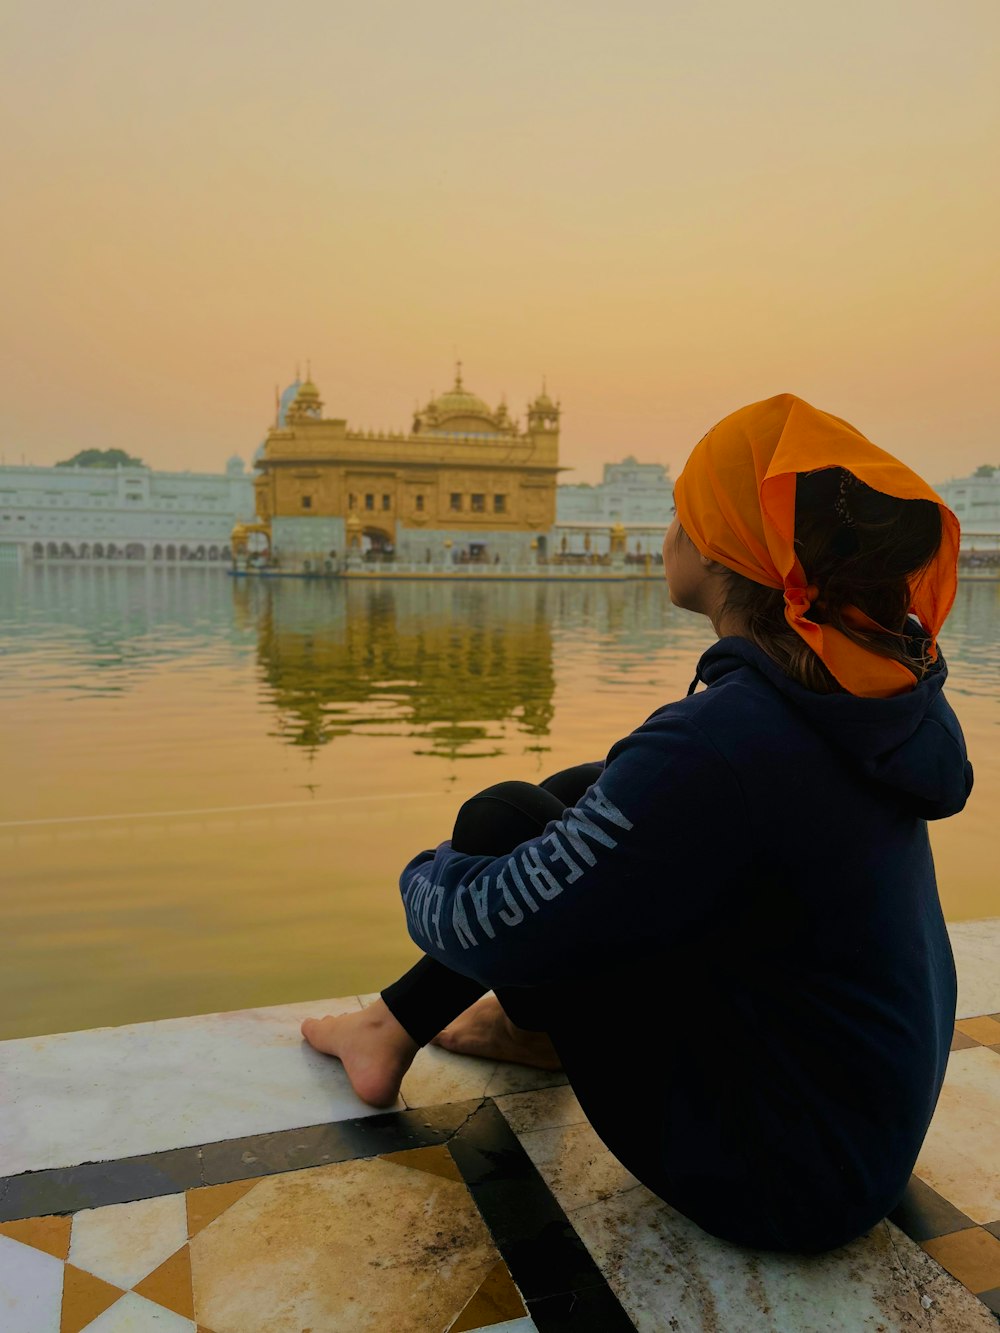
column 637, row 861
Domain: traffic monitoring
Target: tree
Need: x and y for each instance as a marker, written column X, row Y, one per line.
column 984, row 470
column 102, row 458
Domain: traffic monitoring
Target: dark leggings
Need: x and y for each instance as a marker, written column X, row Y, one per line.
column 632, row 1039
column 491, row 823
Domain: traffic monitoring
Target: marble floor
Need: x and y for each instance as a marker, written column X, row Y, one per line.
column 215, row 1173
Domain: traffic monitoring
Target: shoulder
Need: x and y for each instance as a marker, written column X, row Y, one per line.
column 739, row 728
column 741, row 701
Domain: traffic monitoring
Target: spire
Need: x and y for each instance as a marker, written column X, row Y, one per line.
column 277, row 406
column 309, row 370
column 458, row 376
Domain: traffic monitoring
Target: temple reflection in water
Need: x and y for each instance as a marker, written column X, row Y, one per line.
column 457, row 666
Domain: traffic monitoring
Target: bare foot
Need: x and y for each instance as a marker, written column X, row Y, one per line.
column 484, row 1029
column 372, row 1046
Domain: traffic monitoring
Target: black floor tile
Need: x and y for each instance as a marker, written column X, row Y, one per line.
column 338, row 1141
column 593, row 1310
column 923, row 1213
column 546, row 1258
column 95, row 1184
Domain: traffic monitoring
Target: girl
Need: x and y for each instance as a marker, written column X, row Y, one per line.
column 728, row 934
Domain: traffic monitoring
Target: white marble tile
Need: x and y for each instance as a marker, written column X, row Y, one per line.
column 976, row 946
column 134, row 1314
column 438, row 1076
column 124, row 1242
column 545, row 1108
column 119, row 1091
column 669, row 1274
column 576, row 1165
column 960, row 1157
column 30, row 1289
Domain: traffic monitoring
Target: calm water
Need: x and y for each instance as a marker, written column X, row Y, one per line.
column 211, row 785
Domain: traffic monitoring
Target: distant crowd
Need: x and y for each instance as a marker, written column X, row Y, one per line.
column 979, row 560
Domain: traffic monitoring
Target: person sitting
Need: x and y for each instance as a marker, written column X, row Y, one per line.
column 728, row 932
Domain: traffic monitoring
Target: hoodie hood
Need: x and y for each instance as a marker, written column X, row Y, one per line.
column 911, row 742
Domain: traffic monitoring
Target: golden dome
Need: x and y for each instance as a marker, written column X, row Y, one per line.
column 458, row 402
column 306, row 405
column 543, row 403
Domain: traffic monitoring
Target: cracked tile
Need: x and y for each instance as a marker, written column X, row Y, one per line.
column 352, row 1246
column 437, row 1076
column 576, row 1165
column 544, row 1108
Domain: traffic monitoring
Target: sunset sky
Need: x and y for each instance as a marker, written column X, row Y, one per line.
column 668, row 208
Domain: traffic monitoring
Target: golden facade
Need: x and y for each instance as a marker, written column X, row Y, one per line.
column 460, row 668
column 465, row 478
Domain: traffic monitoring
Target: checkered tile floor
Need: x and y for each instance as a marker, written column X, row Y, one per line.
column 503, row 1213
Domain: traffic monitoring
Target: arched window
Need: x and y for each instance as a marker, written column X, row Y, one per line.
column 157, row 552
column 99, row 550
column 135, row 551
column 213, row 553
column 38, row 550
column 52, row 550
column 184, row 554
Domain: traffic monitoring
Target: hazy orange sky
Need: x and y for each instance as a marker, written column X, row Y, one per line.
column 669, row 208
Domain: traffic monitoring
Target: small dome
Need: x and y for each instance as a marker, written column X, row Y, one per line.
column 543, row 403
column 235, row 467
column 306, row 406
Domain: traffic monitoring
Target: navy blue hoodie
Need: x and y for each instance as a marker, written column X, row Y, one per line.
column 774, row 842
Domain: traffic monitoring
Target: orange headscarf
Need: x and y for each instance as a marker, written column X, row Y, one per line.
column 735, row 499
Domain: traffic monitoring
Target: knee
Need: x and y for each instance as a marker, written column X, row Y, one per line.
column 495, row 820
column 569, row 784
column 511, row 791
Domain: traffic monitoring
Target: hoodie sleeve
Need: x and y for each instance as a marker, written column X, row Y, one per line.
column 636, row 862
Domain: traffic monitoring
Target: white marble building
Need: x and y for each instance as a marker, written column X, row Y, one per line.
column 121, row 513
column 637, row 495
column 976, row 502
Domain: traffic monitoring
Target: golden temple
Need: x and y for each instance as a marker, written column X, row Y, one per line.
column 464, row 484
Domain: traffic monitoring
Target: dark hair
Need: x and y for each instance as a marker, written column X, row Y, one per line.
column 860, row 548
